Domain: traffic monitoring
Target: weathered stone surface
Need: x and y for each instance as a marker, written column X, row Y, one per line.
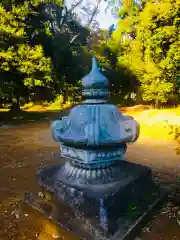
column 95, row 133
column 100, row 211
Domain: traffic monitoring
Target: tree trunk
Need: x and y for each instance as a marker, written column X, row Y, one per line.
column 94, row 13
column 7, row 5
column 65, row 96
column 138, row 96
column 157, row 104
column 129, row 96
column 16, row 104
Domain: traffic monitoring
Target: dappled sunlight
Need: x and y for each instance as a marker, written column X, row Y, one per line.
column 57, row 105
column 49, row 107
column 36, row 108
column 4, row 109
column 154, row 122
column 51, row 231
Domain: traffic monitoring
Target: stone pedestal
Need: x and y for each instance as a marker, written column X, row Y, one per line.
column 102, row 211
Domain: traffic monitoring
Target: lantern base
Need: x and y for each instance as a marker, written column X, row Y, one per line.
column 105, row 211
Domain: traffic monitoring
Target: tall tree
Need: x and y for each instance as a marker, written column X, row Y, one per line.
column 22, row 65
column 38, row 46
column 154, row 53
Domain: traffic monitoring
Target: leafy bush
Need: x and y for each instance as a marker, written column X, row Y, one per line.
column 174, row 131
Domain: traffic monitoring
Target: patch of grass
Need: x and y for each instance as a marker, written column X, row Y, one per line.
column 174, row 131
column 153, row 122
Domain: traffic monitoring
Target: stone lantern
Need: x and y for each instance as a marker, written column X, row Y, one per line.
column 94, row 134
column 96, row 194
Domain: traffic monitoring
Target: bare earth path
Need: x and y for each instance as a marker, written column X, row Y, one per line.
column 23, row 149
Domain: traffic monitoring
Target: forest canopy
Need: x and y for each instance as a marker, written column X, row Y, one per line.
column 45, row 45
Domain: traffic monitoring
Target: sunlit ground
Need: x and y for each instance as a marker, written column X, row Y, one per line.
column 154, row 122
column 50, row 231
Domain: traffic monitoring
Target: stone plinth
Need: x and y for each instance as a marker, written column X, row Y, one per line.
column 101, row 211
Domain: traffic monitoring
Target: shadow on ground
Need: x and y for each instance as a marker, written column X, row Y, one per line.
column 23, row 117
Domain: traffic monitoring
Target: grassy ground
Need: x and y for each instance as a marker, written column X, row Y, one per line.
column 154, row 122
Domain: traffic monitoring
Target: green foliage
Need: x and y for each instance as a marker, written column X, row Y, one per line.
column 148, row 43
column 29, row 61
column 63, row 39
column 122, row 81
column 22, row 65
column 40, row 45
column 121, row 7
column 174, row 131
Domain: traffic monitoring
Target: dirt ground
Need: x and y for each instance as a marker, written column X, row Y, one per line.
column 25, row 148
